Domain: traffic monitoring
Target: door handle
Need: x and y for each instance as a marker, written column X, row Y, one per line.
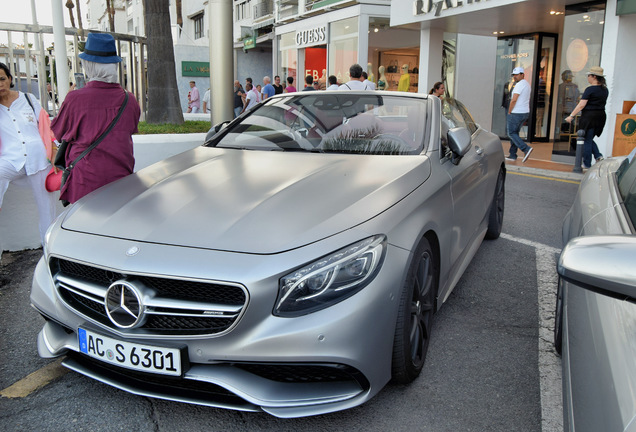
column 479, row 150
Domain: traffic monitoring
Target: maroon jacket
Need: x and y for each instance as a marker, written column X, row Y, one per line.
column 83, row 116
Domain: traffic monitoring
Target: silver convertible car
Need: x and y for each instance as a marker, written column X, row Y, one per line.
column 595, row 328
column 292, row 264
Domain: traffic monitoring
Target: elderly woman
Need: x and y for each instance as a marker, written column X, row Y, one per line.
column 86, row 113
column 25, row 146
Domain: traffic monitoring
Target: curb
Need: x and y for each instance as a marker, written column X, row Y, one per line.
column 547, row 173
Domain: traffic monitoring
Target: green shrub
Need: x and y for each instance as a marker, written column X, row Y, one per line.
column 187, row 127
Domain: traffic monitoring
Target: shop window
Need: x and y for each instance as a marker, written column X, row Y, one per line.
column 343, row 47
column 389, row 50
column 198, row 26
column 582, row 42
column 288, row 58
column 400, row 62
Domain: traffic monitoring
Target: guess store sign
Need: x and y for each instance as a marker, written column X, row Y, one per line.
column 311, row 37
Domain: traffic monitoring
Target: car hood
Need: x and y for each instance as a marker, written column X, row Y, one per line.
column 247, row 201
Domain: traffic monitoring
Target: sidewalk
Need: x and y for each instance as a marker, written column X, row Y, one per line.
column 540, row 162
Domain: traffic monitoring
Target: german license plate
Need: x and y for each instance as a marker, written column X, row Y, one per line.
column 139, row 357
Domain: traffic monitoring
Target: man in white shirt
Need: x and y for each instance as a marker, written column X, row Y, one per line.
column 355, row 72
column 251, row 98
column 206, row 102
column 518, row 113
column 369, row 84
column 333, row 83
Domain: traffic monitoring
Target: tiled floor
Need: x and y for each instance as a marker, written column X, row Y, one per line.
column 539, row 158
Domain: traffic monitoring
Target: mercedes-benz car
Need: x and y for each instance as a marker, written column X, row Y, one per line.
column 291, row 264
column 595, row 320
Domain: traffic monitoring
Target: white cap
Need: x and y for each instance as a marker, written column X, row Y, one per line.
column 517, row 70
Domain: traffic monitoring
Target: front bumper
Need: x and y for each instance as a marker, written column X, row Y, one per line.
column 330, row 360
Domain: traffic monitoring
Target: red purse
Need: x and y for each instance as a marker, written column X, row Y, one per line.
column 53, row 180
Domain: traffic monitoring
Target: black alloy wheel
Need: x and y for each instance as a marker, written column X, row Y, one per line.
column 415, row 316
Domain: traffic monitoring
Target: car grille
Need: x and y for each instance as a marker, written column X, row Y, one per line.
column 304, row 373
column 171, row 306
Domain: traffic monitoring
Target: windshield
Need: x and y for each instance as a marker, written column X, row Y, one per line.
column 338, row 122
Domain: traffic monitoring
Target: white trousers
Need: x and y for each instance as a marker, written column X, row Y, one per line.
column 44, row 200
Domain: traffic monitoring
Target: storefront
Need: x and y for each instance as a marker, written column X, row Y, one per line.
column 330, row 43
column 536, row 54
column 555, row 43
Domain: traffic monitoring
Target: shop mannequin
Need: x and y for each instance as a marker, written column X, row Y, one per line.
column 382, row 80
column 323, row 80
column 405, row 79
column 370, row 73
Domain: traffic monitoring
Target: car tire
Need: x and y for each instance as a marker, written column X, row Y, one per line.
column 495, row 218
column 558, row 319
column 415, row 315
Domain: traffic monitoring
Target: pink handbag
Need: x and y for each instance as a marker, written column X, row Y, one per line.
column 53, row 180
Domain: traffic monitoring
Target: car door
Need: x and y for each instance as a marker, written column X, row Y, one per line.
column 468, row 185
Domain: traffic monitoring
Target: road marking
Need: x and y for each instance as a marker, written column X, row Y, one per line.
column 549, row 361
column 544, row 177
column 35, row 380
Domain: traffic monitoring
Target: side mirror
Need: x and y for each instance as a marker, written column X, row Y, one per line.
column 459, row 142
column 215, row 129
column 602, row 264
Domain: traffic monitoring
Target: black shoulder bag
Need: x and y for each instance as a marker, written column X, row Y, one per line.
column 60, row 157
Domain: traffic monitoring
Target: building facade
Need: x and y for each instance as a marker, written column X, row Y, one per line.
column 556, row 42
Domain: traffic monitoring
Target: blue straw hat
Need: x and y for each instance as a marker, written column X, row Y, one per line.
column 100, row 48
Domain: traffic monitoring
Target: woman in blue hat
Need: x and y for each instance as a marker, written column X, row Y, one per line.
column 86, row 113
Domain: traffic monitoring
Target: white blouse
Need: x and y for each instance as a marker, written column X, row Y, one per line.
column 20, row 141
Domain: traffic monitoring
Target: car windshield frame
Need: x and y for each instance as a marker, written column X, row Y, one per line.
column 332, row 122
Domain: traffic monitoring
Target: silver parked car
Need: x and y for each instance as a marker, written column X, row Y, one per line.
column 595, row 327
column 292, row 264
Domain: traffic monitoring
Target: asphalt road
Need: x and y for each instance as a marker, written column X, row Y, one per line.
column 490, row 365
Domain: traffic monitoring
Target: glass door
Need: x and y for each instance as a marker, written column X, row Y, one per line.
column 512, row 52
column 544, row 77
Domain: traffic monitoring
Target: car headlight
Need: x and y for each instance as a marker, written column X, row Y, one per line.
column 54, row 225
column 331, row 278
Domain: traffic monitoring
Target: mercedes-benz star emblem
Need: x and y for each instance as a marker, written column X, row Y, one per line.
column 123, row 304
column 132, row 251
